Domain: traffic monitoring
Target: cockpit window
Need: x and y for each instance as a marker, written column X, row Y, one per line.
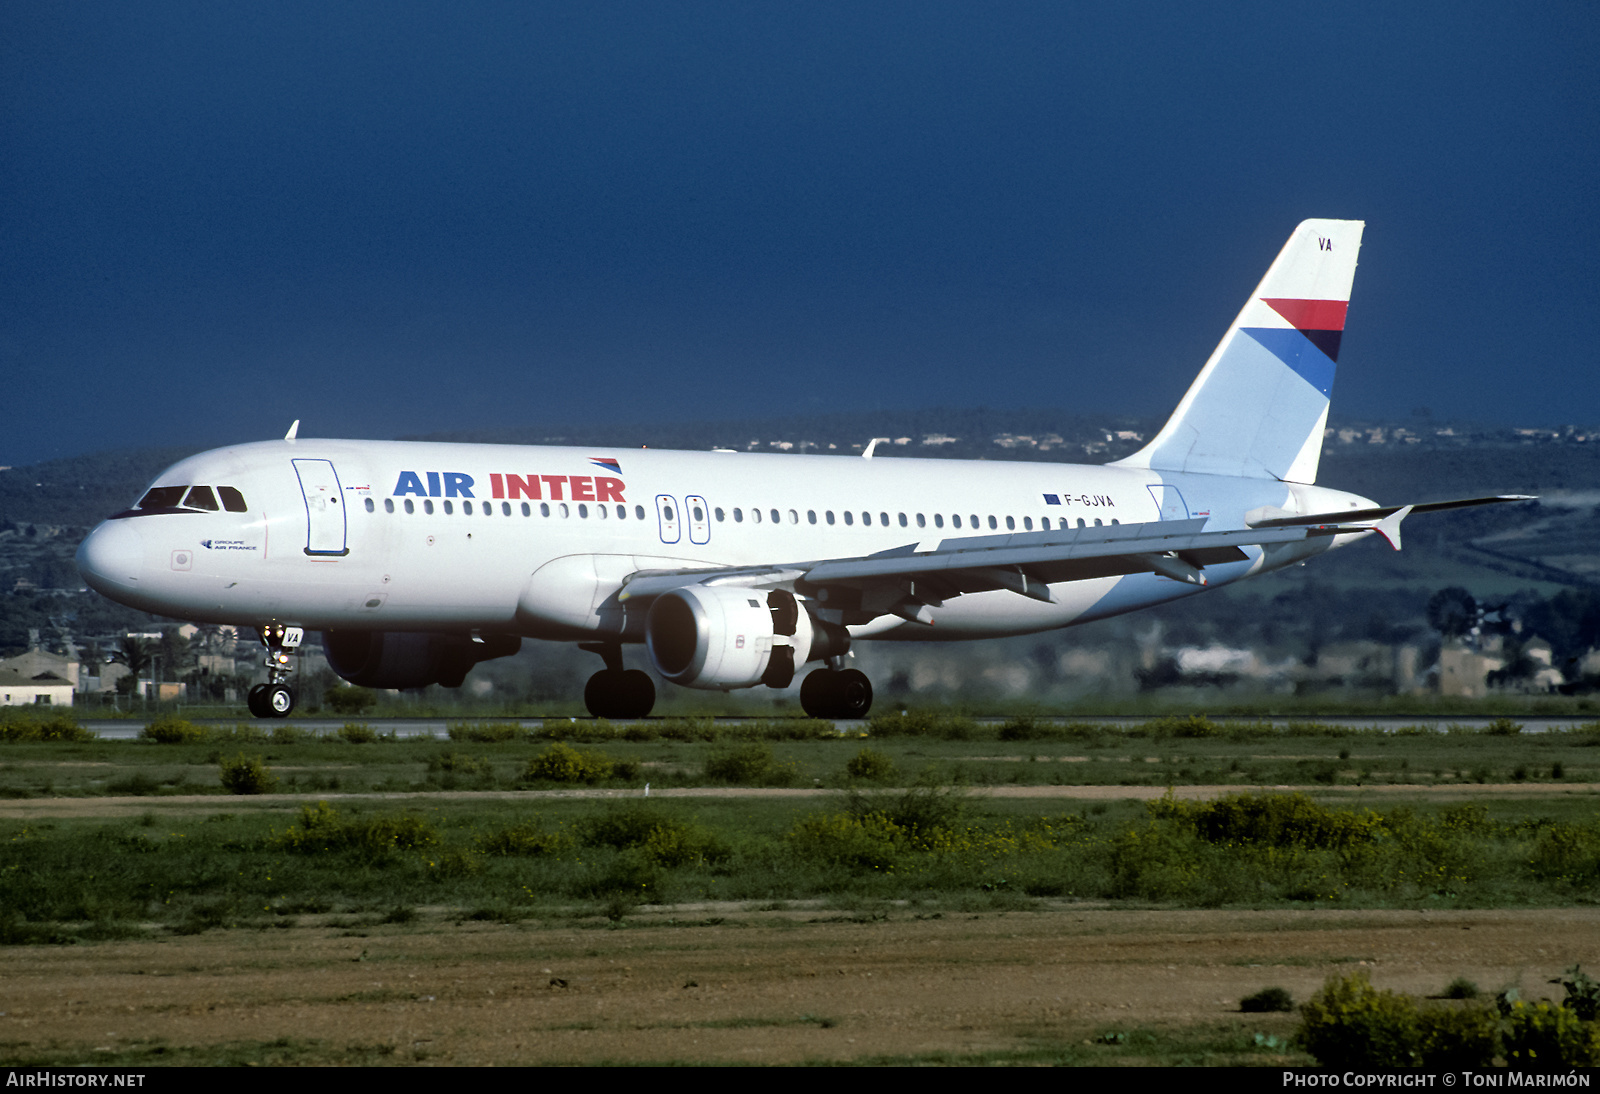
column 162, row 497
column 187, row 499
column 201, row 497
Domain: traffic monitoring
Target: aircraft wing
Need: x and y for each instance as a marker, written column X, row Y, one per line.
column 907, row 580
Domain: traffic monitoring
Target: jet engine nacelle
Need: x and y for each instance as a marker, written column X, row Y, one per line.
column 399, row 659
column 722, row 637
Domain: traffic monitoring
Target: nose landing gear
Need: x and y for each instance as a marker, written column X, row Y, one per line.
column 275, row 699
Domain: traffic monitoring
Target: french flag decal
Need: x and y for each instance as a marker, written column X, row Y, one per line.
column 609, row 464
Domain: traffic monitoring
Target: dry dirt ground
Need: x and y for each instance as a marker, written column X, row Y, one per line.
column 732, row 985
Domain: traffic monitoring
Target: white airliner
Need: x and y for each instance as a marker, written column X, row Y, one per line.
column 419, row 560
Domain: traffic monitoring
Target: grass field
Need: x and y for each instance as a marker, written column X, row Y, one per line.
column 501, row 823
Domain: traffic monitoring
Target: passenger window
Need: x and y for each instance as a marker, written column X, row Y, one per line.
column 410, row 508
column 1082, row 523
column 699, row 514
column 903, row 522
column 371, row 506
column 162, row 497
column 955, row 521
column 738, row 516
column 975, row 521
column 938, row 520
column 993, row 524
column 583, row 512
column 505, row 509
column 638, row 512
column 883, row 519
column 666, row 514
column 1011, row 524
column 565, row 512
column 922, row 522
column 466, row 507
column 849, row 517
column 449, row 508
column 829, row 515
column 232, row 500
column 622, row 512
column 544, row 509
column 527, row 510
column 1027, row 524
column 866, row 518
column 811, row 515
column 388, row 505
column 717, row 512
column 427, row 507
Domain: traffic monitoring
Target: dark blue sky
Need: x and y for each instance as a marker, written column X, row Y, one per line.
column 392, row 218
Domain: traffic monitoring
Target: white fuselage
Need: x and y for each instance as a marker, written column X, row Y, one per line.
column 536, row 541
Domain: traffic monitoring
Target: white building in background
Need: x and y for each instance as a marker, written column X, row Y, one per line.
column 44, row 688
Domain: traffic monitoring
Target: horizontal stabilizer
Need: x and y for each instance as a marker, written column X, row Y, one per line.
column 1267, row 520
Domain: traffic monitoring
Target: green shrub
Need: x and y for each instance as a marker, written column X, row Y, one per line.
column 561, row 763
column 1543, row 1036
column 1351, row 1024
column 921, row 812
column 1461, row 988
column 347, row 700
column 1267, row 1000
column 1195, row 725
column 688, row 729
column 748, row 765
column 357, row 733
column 322, row 828
column 922, row 723
column 1583, row 993
column 660, row 838
column 485, row 732
column 247, row 775
column 870, row 841
column 28, row 724
column 172, row 730
column 1503, row 727
column 523, row 839
column 870, row 766
column 1450, row 1038
column 1568, row 852
column 1271, row 820
column 457, row 763
column 1023, row 729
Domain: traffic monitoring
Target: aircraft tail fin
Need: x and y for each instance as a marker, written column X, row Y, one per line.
column 1259, row 407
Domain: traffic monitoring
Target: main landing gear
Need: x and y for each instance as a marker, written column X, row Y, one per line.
column 275, row 699
column 836, row 694
column 615, row 692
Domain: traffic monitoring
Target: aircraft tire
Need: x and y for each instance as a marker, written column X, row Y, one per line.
column 606, row 694
column 854, row 693
column 256, row 700
column 638, row 694
column 819, row 694
column 279, row 701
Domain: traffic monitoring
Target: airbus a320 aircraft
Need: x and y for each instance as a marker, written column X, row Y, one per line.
column 417, row 560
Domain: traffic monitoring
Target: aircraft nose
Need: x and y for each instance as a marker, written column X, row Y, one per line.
column 111, row 559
